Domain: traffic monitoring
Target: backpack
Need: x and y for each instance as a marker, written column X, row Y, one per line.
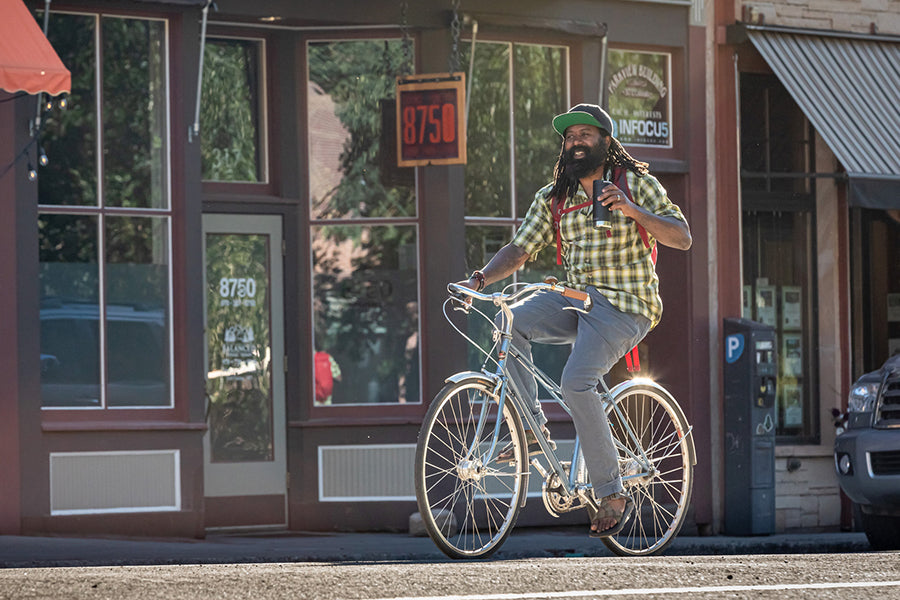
column 323, row 377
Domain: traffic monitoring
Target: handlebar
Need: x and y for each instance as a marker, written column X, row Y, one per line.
column 499, row 298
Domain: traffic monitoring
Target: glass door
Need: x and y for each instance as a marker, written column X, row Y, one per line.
column 245, row 446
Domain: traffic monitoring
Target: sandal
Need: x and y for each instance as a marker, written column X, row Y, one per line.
column 534, row 447
column 605, row 512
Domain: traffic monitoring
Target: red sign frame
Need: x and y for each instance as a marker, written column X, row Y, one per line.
column 431, row 114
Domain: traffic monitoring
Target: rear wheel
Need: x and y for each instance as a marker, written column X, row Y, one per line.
column 649, row 421
column 468, row 500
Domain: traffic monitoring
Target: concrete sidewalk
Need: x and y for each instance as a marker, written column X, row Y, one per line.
column 30, row 552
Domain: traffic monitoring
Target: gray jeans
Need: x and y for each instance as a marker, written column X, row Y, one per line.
column 600, row 338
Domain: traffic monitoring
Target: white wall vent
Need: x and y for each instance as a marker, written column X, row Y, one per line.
column 115, row 482
column 367, row 473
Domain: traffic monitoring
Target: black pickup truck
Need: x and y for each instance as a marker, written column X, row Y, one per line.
column 867, row 453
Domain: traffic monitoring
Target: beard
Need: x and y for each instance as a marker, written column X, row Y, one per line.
column 593, row 159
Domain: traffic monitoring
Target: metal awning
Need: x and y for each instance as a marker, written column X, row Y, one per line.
column 27, row 60
column 848, row 86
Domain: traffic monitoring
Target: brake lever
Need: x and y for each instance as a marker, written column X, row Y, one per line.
column 461, row 303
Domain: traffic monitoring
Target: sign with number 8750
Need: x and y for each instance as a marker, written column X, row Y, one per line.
column 430, row 120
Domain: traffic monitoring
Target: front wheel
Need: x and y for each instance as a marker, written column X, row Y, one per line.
column 468, row 499
column 656, row 462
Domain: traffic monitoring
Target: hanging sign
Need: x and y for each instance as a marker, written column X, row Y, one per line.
column 640, row 97
column 431, row 127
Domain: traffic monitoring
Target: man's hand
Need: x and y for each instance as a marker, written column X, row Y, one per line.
column 668, row 231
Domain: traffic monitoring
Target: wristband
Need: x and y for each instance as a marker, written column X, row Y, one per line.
column 479, row 277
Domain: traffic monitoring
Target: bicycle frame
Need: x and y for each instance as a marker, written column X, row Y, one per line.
column 501, row 381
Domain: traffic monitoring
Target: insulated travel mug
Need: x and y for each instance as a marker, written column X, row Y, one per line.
column 601, row 213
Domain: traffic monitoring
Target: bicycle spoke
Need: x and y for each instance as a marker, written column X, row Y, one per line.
column 650, row 440
column 455, row 474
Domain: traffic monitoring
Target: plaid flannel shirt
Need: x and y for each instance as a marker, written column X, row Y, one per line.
column 615, row 261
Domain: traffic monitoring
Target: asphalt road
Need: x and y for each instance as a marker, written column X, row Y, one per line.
column 855, row 576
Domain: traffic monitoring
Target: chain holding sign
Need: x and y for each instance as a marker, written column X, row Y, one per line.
column 431, row 127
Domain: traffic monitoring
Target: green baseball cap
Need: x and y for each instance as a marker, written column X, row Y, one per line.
column 583, row 114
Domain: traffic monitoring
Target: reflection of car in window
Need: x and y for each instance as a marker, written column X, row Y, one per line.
column 137, row 355
column 867, row 453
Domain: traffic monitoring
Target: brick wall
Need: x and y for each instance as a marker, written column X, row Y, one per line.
column 858, row 16
column 806, row 494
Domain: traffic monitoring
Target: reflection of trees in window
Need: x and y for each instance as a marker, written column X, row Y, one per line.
column 238, row 338
column 134, row 111
column 70, row 136
column 229, row 114
column 366, row 310
column 541, row 92
column 488, row 168
column 355, row 76
column 537, row 75
column 133, row 270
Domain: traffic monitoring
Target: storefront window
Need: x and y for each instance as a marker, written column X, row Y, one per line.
column 105, row 271
column 366, row 313
column 365, row 258
column 779, row 246
column 349, row 93
column 512, row 150
column 232, row 147
column 511, row 146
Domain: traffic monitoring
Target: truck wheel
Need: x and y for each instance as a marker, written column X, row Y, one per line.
column 883, row 531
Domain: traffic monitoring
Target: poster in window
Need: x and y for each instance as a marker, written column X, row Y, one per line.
column 790, row 308
column 765, row 305
column 746, row 305
column 640, row 99
column 792, row 355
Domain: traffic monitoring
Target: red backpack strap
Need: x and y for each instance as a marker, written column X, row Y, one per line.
column 557, row 213
column 620, row 177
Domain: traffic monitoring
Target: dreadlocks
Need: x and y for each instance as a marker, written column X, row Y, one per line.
column 565, row 185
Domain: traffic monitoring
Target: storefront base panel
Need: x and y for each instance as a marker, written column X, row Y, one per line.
column 245, row 511
column 183, row 524
column 352, row 516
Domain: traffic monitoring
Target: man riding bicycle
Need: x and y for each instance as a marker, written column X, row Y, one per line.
column 615, row 265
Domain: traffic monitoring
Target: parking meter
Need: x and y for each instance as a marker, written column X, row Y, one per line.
column 750, row 375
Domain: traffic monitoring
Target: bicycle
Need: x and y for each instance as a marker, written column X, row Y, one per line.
column 469, row 500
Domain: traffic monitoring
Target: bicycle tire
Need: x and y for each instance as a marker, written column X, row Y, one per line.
column 662, row 496
column 483, row 499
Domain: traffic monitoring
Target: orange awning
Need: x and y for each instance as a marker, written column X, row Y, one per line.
column 27, row 60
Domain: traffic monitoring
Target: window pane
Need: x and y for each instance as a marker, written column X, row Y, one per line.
column 488, row 169
column 238, row 316
column 229, row 114
column 69, row 280
column 482, row 242
column 348, row 84
column 775, row 138
column 779, row 283
column 366, row 311
column 134, row 113
column 137, row 311
column 69, row 137
column 540, row 94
